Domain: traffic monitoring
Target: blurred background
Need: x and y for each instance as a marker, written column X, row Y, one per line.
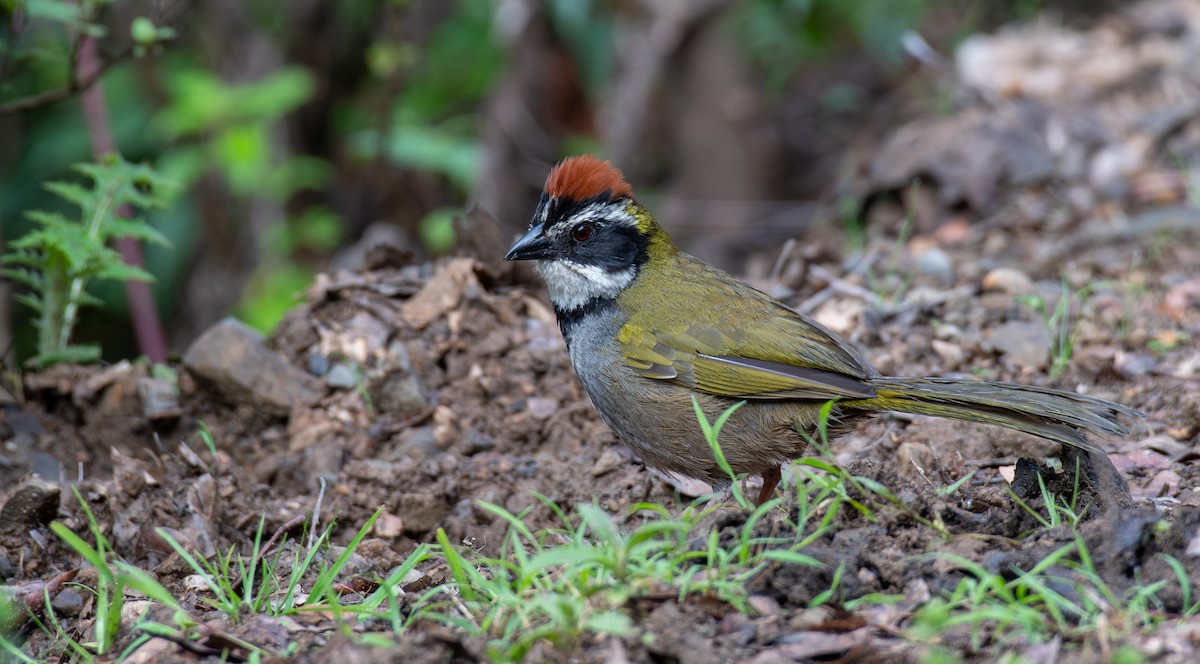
column 307, row 134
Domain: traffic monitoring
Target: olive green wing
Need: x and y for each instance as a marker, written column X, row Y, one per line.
column 745, row 364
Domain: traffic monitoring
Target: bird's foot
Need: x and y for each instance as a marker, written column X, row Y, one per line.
column 770, row 480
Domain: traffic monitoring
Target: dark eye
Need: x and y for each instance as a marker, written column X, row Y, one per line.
column 582, row 232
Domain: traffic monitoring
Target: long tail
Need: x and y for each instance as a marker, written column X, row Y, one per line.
column 1052, row 414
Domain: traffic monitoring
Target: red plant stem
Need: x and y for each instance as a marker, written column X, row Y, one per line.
column 146, row 325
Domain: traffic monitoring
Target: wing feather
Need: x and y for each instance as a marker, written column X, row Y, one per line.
column 697, row 359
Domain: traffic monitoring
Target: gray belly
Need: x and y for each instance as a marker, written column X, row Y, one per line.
column 656, row 418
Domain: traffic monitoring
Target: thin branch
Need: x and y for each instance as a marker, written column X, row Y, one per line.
column 266, row 548
column 76, row 85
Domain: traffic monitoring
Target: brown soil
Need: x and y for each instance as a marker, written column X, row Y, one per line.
column 464, row 393
column 505, row 418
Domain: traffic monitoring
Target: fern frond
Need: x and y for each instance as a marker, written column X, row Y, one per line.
column 77, row 354
column 137, row 229
column 22, row 257
column 73, row 192
column 31, row 301
column 61, row 255
column 121, row 272
column 22, row 276
column 86, row 299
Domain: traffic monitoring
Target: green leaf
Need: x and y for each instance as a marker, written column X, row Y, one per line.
column 86, row 299
column 143, row 30
column 30, row 301
column 458, row 567
column 137, row 579
column 73, row 192
column 426, row 148
column 793, row 557
column 31, row 279
column 137, row 229
column 80, row 354
column 121, row 272
column 437, row 230
column 324, row 580
column 87, row 551
column 54, row 10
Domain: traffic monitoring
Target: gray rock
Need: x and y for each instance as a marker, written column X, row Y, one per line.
column 1025, row 344
column 45, row 464
column 541, row 408
column 418, row 442
column 936, row 263
column 475, row 441
column 160, row 398
column 233, row 357
column 951, row 354
column 399, row 391
column 421, row 512
column 343, row 376
column 33, row 504
column 68, row 602
column 1135, row 364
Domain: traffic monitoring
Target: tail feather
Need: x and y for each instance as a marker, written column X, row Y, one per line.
column 1052, row 414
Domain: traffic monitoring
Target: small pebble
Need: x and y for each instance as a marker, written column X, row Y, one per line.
column 67, row 603
column 1024, row 343
column 542, row 408
column 388, row 526
column 936, row 263
column 1134, row 364
column 609, row 461
column 475, row 441
column 343, row 376
column 1008, row 280
column 951, row 354
column 418, row 442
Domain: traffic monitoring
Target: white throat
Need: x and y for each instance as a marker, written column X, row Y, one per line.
column 572, row 285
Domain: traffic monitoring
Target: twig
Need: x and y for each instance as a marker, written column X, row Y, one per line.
column 994, row 462
column 781, row 261
column 76, row 84
column 188, row 644
column 288, row 525
column 837, row 286
column 77, row 81
column 36, row 601
column 316, row 516
column 920, row 50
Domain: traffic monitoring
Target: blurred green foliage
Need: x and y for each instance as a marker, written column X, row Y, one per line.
column 214, row 126
column 230, row 130
column 413, row 108
column 783, row 35
column 433, row 124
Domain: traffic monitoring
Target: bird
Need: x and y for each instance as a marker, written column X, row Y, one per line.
column 649, row 327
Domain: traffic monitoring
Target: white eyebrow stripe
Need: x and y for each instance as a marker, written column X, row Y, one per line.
column 612, row 212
